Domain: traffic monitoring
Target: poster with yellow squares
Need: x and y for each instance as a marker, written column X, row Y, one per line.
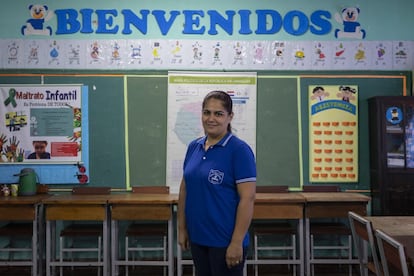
column 333, row 133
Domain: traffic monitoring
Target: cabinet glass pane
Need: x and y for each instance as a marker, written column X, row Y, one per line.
column 409, row 136
column 394, row 137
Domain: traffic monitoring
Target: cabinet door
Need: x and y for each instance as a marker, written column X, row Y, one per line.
column 398, row 195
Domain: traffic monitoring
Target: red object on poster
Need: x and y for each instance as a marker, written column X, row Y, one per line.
column 61, row 149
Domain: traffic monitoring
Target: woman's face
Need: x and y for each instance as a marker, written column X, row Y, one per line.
column 215, row 118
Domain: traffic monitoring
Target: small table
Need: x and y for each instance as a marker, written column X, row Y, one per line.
column 25, row 208
column 134, row 206
column 274, row 206
column 400, row 228
column 75, row 208
column 331, row 205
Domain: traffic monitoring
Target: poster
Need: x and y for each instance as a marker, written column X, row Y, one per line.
column 333, row 133
column 186, row 91
column 40, row 124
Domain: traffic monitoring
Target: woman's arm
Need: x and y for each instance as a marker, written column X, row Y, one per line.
column 247, row 193
column 182, row 226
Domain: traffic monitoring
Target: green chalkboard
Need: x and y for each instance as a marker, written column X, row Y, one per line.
column 282, row 123
column 147, row 129
column 128, row 122
column 277, row 130
column 278, row 155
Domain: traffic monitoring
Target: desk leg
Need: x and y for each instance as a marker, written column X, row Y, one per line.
column 301, row 248
column 105, row 247
column 34, row 246
column 114, row 248
column 48, row 247
column 40, row 237
column 307, row 245
column 170, row 247
column 179, row 256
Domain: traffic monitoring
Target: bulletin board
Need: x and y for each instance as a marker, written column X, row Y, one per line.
column 106, row 145
column 44, row 127
column 369, row 84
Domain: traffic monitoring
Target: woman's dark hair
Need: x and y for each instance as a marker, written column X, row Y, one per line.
column 224, row 98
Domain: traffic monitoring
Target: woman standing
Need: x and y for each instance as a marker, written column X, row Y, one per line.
column 217, row 193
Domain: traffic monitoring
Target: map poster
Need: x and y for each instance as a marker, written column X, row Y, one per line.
column 40, row 124
column 186, row 91
column 333, row 133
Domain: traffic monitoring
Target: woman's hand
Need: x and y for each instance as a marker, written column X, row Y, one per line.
column 234, row 254
column 183, row 240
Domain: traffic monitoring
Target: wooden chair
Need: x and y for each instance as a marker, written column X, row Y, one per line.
column 143, row 237
column 363, row 237
column 77, row 236
column 392, row 253
column 329, row 235
column 273, row 237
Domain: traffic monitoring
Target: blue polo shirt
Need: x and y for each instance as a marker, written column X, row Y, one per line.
column 211, row 179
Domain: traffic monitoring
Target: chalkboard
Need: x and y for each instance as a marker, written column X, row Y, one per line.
column 128, row 122
column 147, row 129
column 278, row 155
column 282, row 124
column 147, row 120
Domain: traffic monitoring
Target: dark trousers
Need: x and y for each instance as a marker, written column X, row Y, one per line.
column 211, row 261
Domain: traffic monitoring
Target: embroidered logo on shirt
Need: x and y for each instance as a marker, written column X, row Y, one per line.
column 215, row 177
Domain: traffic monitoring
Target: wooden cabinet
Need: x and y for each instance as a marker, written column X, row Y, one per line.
column 391, row 128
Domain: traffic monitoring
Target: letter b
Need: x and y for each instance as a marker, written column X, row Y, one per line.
column 67, row 22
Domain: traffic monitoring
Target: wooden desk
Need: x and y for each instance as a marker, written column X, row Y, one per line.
column 400, row 228
column 141, row 207
column 274, row 206
column 330, row 205
column 75, row 208
column 25, row 208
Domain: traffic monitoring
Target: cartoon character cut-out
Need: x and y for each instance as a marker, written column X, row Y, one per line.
column 74, row 53
column 319, row 94
column 346, row 93
column 217, row 54
column 278, row 53
column 351, row 27
column 394, row 114
column 95, row 51
column 176, row 52
column 135, row 53
column 35, row 25
column 156, row 49
column 238, row 53
column 197, row 53
column 259, row 53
